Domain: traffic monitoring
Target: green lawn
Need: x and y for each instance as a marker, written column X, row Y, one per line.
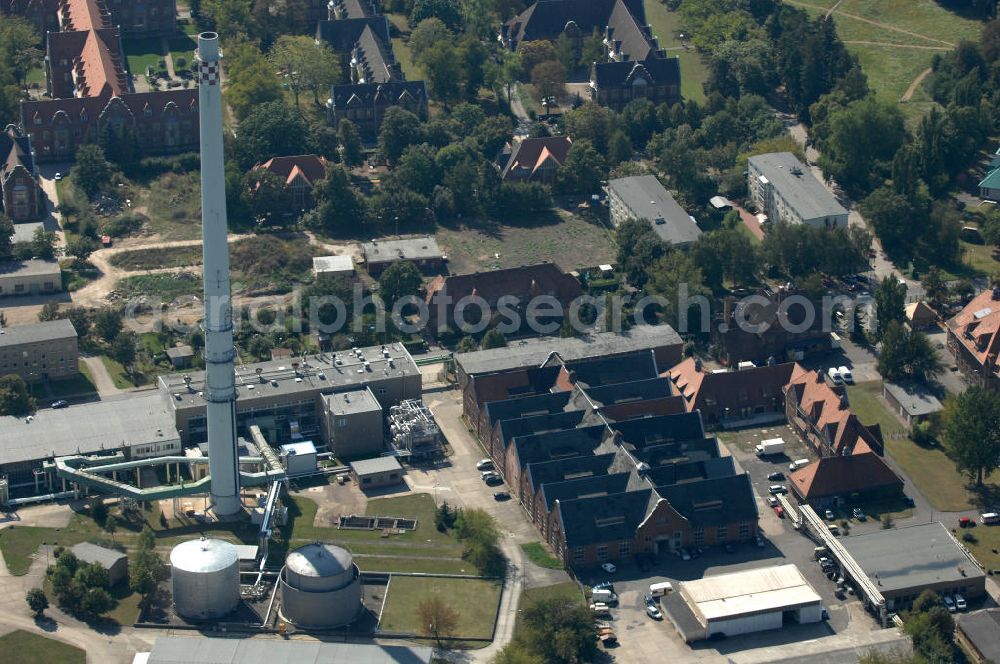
column 173, row 204
column 78, row 385
column 895, row 40
column 34, row 649
column 182, row 46
column 571, row 240
column 127, row 604
column 411, row 70
column 145, row 259
column 422, row 550
column 36, row 75
column 538, row 554
column 929, row 468
column 18, row 543
column 165, row 286
column 667, row 26
column 142, row 53
column 986, row 545
column 475, row 602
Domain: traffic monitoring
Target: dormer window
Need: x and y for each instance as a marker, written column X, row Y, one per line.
column 147, row 111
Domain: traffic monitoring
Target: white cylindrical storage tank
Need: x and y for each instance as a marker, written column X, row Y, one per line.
column 206, row 578
column 320, row 587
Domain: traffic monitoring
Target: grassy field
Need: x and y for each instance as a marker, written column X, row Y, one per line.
column 928, row 467
column 34, row 649
column 895, row 41
column 475, row 602
column 986, row 545
column 568, row 239
column 537, row 554
column 142, row 53
column 82, row 384
column 182, row 46
column 145, row 259
column 165, row 286
column 667, row 26
column 36, row 75
column 173, row 204
column 423, row 550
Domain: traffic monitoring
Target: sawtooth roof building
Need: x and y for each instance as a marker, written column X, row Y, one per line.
column 605, row 460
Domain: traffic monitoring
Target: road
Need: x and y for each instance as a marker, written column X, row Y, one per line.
column 103, row 383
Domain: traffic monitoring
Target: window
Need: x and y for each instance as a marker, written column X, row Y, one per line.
column 721, row 533
column 624, row 548
column 602, row 552
column 578, row 554
column 341, row 421
column 699, row 536
column 744, row 530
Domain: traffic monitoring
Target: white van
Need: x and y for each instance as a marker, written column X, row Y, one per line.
column 846, row 375
column 798, row 463
column 989, row 518
column 604, row 595
column 834, row 374
column 660, row 589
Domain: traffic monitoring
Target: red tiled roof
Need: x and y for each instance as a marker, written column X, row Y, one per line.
column 81, row 15
column 977, row 327
column 531, row 153
column 843, row 475
column 828, row 411
column 309, row 166
column 526, row 281
column 698, row 384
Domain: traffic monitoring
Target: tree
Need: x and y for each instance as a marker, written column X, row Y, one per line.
column 400, row 129
column 252, row 81
column 935, row 286
column 493, row 339
column 81, row 248
column 466, row 344
column 511, row 65
column 447, row 11
column 864, row 137
column 428, row 33
column 92, row 575
column 91, row 171
column 972, row 431
column 351, row 148
column 108, row 323
column 37, row 602
column 726, row 254
column 899, row 220
column 417, row 169
column 49, row 311
column 305, row 64
column 678, row 280
column 638, row 248
column 619, row 148
column 437, row 619
column 443, row 69
column 890, row 303
column 594, row 123
column 19, row 45
column 559, row 632
column 338, row 205
column 95, row 601
column 97, row 510
column 43, row 244
column 583, row 169
column 111, row 525
column 228, row 17
column 270, row 129
column 535, row 52
column 399, row 280
column 15, row 399
column 906, row 355
column 266, row 195
column 6, row 236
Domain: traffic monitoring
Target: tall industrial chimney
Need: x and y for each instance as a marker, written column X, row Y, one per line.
column 220, row 379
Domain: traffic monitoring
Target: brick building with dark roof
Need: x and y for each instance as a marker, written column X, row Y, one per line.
column 770, row 331
column 821, row 414
column 92, row 94
column 147, row 18
column 857, row 477
column 614, row 84
column 974, row 338
column 536, row 159
column 363, row 45
column 730, row 396
column 548, row 19
column 365, row 104
column 20, row 193
column 517, row 284
column 605, row 461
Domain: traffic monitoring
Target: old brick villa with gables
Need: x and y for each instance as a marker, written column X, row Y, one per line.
column 92, row 92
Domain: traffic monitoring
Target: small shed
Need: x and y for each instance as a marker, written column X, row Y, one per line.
column 299, row 457
column 911, row 401
column 333, row 265
column 377, row 472
column 114, row 561
column 180, row 356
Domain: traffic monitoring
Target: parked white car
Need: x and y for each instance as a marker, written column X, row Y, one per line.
column 609, row 568
column 835, row 376
column 846, row 375
column 485, row 464
column 949, row 604
column 960, row 602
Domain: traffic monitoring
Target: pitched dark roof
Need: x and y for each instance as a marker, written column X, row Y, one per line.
column 342, row 35
column 375, row 57
column 603, row 371
column 982, row 629
column 584, row 487
column 685, row 451
column 536, row 424
column 367, row 93
column 548, row 18
column 630, row 39
column 649, row 431
column 636, row 390
column 355, row 8
column 15, row 150
column 715, row 501
column 656, row 71
column 541, row 473
column 555, row 445
column 732, row 389
column 513, row 384
column 509, row 409
column 691, row 471
column 603, row 518
column 526, row 281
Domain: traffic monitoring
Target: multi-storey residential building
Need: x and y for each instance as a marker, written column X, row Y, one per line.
column 974, row 338
column 43, row 351
column 643, row 197
column 784, row 189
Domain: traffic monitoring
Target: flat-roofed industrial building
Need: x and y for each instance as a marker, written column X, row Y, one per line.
column 904, row 562
column 41, row 351
column 743, row 602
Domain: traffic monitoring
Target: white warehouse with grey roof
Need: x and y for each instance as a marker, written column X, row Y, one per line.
column 643, row 197
column 784, row 189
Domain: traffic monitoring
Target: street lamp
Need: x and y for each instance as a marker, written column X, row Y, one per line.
column 397, row 225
